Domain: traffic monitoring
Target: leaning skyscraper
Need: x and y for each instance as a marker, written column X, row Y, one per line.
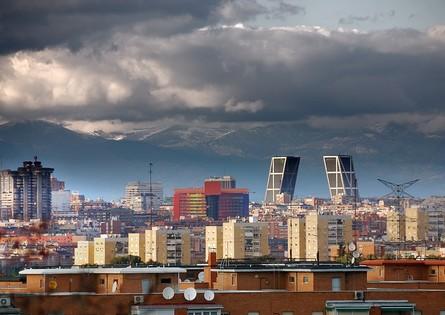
column 341, row 178
column 282, row 177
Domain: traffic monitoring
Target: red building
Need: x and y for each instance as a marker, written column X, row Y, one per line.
column 214, row 200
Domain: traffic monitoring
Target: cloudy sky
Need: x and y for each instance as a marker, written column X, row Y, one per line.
column 117, row 65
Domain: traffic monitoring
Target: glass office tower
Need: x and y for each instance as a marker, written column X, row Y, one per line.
column 282, row 177
column 341, row 177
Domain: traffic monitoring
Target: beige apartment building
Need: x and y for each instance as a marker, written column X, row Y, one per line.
column 136, row 245
column 104, row 250
column 318, row 236
column 214, row 241
column 168, row 246
column 84, row 253
column 100, row 251
column 416, row 224
column 238, row 240
column 296, row 238
column 395, row 226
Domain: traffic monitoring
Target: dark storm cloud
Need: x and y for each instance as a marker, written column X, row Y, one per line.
column 38, row 24
column 232, row 74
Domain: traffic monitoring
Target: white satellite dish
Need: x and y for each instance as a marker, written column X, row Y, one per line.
column 352, row 247
column 209, row 295
column 356, row 254
column 190, row 294
column 201, row 276
column 168, row 293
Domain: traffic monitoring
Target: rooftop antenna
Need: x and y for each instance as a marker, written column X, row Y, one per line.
column 151, row 195
column 398, row 192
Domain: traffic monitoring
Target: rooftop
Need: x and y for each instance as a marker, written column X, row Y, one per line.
column 292, row 267
column 126, row 270
column 426, row 262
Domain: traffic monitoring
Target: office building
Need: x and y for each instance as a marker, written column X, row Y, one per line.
column 25, row 194
column 140, row 197
column 416, row 224
column 167, row 246
column 341, row 178
column 84, row 253
column 189, row 203
column 281, row 180
column 56, row 184
column 222, row 203
column 316, row 236
column 214, row 200
column 226, row 182
column 238, row 240
column 61, row 203
column 395, row 226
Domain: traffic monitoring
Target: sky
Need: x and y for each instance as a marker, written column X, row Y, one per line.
column 118, row 66
column 125, row 64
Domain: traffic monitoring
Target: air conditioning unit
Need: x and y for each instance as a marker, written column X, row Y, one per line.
column 359, row 295
column 138, row 299
column 5, row 301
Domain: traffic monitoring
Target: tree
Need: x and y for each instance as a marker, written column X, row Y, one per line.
column 127, row 260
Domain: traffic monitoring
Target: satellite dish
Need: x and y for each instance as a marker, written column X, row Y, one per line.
column 168, row 293
column 356, row 254
column 201, row 276
column 190, row 294
column 352, row 260
column 352, row 247
column 209, row 295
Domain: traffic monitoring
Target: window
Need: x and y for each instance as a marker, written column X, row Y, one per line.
column 202, row 312
column 433, row 271
column 442, row 313
column 305, row 279
column 336, row 284
column 102, row 281
column 317, row 313
column 253, row 313
column 287, row 313
column 233, row 279
column 291, row 279
column 166, row 280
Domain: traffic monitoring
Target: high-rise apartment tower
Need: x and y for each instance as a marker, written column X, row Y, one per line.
column 25, row 194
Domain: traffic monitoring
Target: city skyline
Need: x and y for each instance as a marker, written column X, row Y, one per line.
column 216, row 157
